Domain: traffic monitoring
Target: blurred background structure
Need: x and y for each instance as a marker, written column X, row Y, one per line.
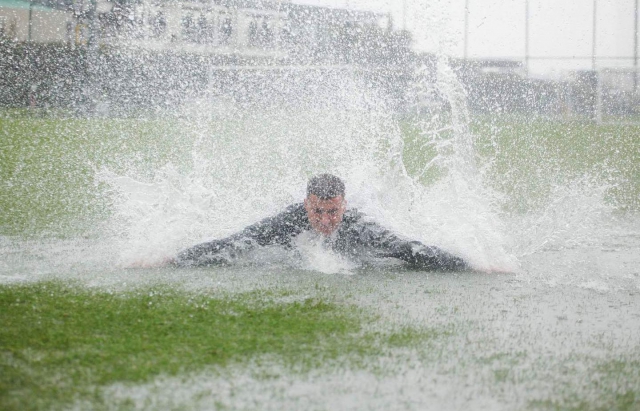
column 119, row 56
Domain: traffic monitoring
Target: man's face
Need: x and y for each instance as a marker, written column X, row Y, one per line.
column 325, row 215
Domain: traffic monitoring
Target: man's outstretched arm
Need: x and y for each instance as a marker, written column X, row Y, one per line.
column 433, row 258
column 216, row 252
column 416, row 254
column 272, row 230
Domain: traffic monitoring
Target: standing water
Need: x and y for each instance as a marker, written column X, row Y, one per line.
column 546, row 212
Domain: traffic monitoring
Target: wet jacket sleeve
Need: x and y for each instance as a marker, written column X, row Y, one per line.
column 416, row 254
column 270, row 231
column 426, row 257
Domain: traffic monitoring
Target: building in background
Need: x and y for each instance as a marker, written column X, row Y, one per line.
column 124, row 55
column 26, row 21
column 193, row 27
column 259, row 29
column 249, row 28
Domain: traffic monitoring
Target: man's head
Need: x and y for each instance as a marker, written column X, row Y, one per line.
column 325, row 204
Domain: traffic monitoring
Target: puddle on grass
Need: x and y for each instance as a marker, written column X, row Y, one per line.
column 537, row 335
column 509, row 345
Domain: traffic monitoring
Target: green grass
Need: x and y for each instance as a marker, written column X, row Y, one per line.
column 525, row 158
column 60, row 343
column 627, row 401
column 48, row 164
column 48, row 167
column 611, row 386
column 530, row 156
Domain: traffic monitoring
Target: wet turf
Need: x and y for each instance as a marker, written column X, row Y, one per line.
column 59, row 342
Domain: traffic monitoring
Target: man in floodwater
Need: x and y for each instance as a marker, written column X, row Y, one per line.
column 324, row 213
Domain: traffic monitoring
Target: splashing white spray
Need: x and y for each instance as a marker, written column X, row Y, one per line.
column 249, row 164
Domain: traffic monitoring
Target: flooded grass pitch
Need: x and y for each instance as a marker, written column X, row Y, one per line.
column 62, row 343
column 84, row 198
column 242, row 338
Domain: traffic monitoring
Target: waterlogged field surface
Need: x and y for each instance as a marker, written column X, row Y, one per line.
column 555, row 204
column 399, row 340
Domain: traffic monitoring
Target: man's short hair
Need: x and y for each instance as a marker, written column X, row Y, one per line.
column 325, row 186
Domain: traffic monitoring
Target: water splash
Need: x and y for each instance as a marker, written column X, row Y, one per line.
column 247, row 164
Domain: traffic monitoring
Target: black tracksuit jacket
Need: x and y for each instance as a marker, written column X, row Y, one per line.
column 356, row 236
